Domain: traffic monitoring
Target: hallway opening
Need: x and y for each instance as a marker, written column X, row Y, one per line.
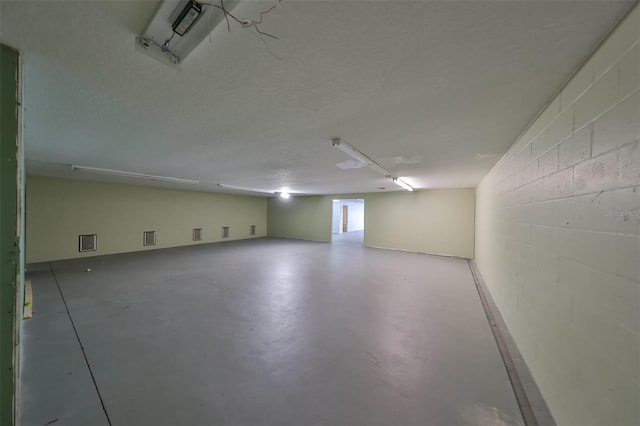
column 348, row 221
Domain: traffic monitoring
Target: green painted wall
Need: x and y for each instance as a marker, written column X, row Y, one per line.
column 438, row 221
column 432, row 221
column 9, row 230
column 303, row 218
column 59, row 210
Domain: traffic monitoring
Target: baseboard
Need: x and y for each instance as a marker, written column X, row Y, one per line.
column 534, row 409
column 412, row 251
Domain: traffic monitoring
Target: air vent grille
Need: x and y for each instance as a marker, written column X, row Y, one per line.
column 87, row 242
column 149, row 238
column 252, row 230
column 197, row 234
column 225, row 232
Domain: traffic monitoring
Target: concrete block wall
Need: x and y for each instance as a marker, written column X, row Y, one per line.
column 558, row 239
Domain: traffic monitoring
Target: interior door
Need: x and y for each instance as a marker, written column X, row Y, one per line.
column 345, row 218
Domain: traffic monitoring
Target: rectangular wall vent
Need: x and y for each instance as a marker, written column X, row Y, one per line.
column 197, row 234
column 149, row 238
column 225, row 232
column 88, row 242
column 252, row 230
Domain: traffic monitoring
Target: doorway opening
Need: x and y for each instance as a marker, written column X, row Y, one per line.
column 348, row 221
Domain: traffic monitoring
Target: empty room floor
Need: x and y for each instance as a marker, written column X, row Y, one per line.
column 351, row 237
column 267, row 331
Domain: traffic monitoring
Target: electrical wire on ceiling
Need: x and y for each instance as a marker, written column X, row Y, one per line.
column 245, row 23
column 226, row 17
column 172, row 53
column 266, row 45
column 165, row 46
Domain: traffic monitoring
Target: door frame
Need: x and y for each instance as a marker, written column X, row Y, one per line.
column 11, row 232
column 345, row 218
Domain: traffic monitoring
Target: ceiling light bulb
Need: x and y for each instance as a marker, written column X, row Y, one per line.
column 284, row 195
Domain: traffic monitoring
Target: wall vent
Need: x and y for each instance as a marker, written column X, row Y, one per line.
column 252, row 230
column 197, row 234
column 225, row 232
column 149, row 238
column 87, row 242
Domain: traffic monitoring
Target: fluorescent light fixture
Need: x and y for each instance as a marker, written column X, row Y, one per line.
column 403, row 184
column 187, row 18
column 190, row 21
column 348, row 149
column 354, row 153
column 243, row 188
column 282, row 194
column 132, row 175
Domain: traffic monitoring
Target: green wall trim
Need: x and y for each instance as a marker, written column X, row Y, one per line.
column 9, row 243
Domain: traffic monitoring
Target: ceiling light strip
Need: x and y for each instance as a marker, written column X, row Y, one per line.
column 132, row 175
column 243, row 188
column 403, row 184
column 354, row 153
column 359, row 156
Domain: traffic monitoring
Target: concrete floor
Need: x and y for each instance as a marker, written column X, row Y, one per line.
column 353, row 237
column 269, row 332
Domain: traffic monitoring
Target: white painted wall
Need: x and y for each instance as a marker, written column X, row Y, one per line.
column 558, row 239
column 336, row 218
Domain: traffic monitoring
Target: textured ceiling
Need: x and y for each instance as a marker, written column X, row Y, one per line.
column 434, row 91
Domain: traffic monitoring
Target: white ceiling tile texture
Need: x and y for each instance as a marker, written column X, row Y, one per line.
column 445, row 85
